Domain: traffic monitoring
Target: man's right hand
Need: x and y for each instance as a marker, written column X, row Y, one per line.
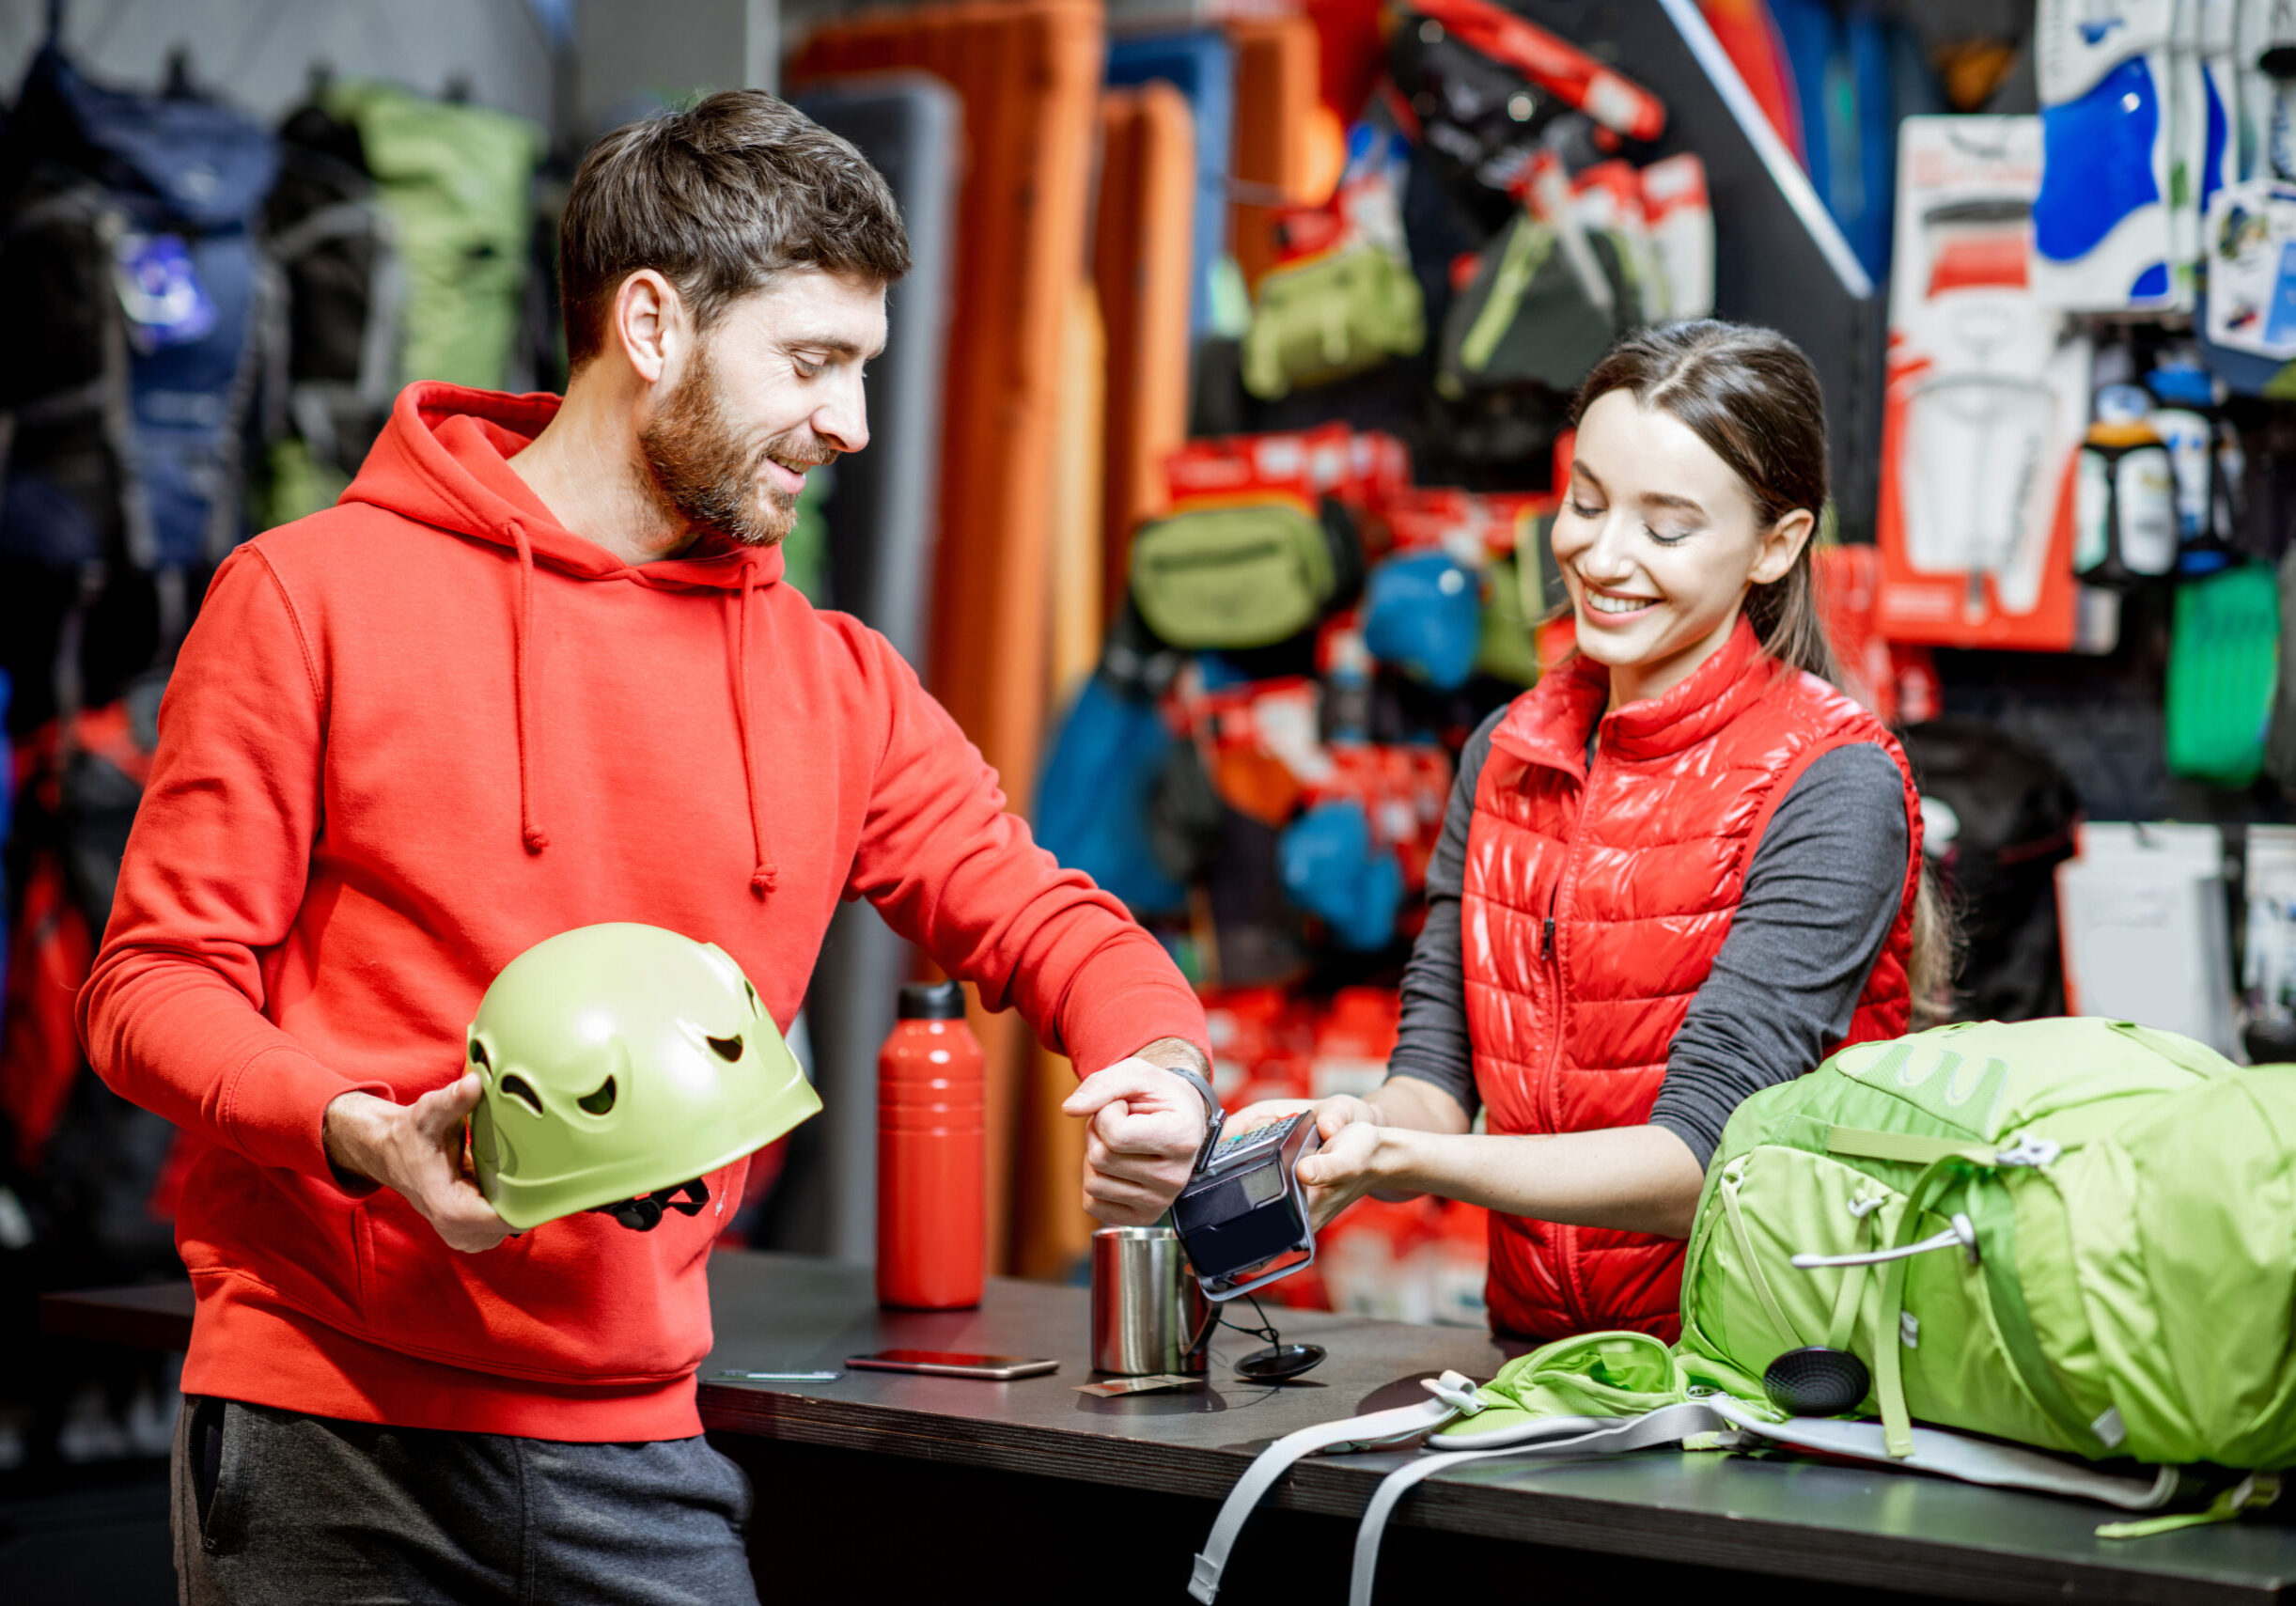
column 417, row 1150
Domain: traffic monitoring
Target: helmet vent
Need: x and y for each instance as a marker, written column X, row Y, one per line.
column 752, row 993
column 598, row 1103
column 477, row 1055
column 727, row 1048
column 516, row 1087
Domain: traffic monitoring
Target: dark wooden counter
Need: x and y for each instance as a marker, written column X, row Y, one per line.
column 1052, row 1480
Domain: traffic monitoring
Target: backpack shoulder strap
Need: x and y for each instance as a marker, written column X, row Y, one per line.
column 1403, row 1422
column 1667, row 1424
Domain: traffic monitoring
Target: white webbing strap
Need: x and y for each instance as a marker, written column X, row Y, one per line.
column 1403, row 1422
column 1668, row 1424
column 1960, row 1455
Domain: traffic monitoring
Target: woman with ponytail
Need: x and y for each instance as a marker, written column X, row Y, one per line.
column 1681, row 868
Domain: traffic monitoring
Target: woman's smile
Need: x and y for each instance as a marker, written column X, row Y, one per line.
column 1619, row 606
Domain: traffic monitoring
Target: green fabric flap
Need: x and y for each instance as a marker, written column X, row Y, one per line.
column 1910, row 1146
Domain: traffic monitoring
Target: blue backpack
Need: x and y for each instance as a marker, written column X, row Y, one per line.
column 127, row 249
column 1092, row 800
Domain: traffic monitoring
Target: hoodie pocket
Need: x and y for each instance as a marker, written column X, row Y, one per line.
column 579, row 1300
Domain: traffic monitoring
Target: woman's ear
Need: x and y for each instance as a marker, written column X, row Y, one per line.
column 1780, row 545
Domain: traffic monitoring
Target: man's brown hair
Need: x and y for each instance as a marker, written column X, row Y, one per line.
column 720, row 200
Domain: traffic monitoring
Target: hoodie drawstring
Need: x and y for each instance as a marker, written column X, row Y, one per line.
column 766, row 874
column 529, row 829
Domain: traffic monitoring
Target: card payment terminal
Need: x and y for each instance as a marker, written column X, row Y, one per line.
column 1244, row 1210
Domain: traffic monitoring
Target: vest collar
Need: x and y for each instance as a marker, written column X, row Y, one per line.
column 1549, row 724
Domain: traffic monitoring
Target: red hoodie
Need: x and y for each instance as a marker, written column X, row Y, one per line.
column 409, row 737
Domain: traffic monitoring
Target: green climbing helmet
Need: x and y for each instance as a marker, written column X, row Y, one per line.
column 622, row 1064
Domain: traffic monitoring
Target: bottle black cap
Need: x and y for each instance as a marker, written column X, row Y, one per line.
column 932, row 1001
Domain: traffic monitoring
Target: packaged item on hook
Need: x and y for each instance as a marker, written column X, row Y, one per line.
column 1986, row 401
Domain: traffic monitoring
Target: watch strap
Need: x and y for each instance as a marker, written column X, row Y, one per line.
column 1214, row 1117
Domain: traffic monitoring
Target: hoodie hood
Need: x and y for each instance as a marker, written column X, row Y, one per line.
column 444, row 459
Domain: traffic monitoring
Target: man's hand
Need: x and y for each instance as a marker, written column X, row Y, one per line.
column 417, row 1150
column 1147, row 1126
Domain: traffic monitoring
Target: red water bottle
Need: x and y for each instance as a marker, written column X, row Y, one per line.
column 933, row 1208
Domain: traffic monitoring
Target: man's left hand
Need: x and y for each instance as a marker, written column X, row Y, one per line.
column 1146, row 1127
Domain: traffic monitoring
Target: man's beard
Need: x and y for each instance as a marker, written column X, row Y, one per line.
column 706, row 476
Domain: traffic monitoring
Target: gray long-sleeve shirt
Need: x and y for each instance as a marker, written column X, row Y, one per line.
column 1819, row 897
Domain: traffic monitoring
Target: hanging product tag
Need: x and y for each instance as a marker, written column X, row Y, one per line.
column 2252, row 269
column 160, row 291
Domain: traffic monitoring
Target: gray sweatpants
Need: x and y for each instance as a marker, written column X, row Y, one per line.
column 273, row 1508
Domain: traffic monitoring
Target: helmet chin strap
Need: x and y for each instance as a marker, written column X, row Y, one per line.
column 644, row 1213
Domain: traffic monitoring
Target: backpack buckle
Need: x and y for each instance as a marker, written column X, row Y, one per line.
column 2030, row 1149
column 1457, row 1392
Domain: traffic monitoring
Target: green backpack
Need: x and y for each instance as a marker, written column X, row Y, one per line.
column 458, row 182
column 2074, row 1233
column 2093, row 1225
column 1248, row 574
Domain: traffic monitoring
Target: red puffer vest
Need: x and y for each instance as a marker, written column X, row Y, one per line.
column 1595, row 904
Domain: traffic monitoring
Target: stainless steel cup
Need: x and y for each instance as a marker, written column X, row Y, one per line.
column 1146, row 1304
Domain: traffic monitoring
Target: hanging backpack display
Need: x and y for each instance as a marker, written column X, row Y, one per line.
column 1336, row 870
column 332, row 244
column 1346, row 301
column 1093, row 797
column 1424, row 613
column 456, row 182
column 1997, row 818
column 1245, row 575
column 1526, row 317
column 128, row 258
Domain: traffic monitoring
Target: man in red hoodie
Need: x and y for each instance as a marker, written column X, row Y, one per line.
column 537, row 670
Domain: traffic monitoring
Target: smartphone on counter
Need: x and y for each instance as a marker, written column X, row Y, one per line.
column 952, row 1364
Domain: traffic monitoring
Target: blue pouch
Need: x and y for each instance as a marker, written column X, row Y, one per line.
column 1332, row 869
column 1424, row 614
column 1092, row 801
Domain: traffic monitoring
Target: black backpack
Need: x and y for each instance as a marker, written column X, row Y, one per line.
column 332, row 242
column 1999, row 818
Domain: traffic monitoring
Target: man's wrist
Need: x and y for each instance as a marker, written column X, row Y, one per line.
column 1170, row 1053
column 343, row 1132
column 1185, row 1061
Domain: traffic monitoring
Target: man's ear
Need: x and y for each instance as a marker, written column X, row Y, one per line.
column 649, row 320
column 1781, row 544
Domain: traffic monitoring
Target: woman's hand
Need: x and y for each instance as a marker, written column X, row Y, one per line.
column 1357, row 1158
